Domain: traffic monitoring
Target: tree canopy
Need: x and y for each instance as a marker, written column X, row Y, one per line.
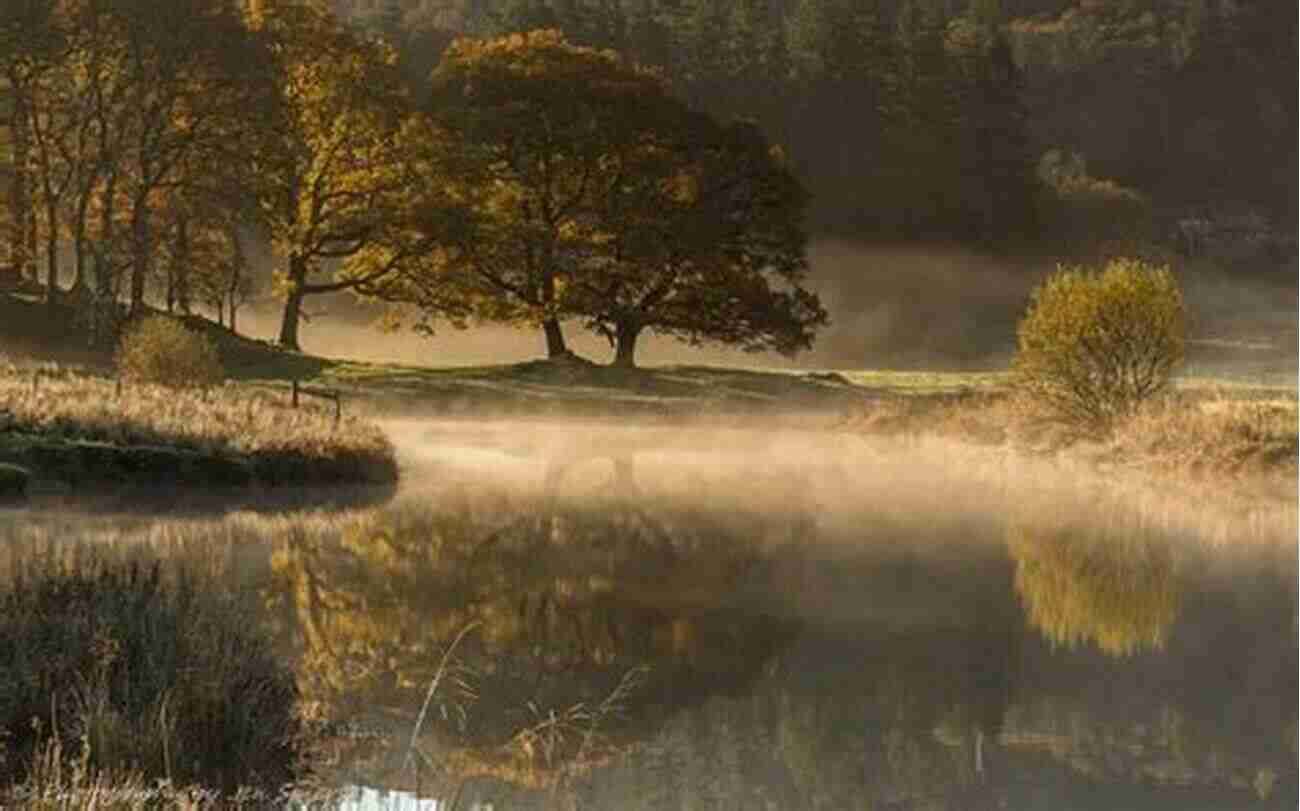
column 575, row 186
column 334, row 172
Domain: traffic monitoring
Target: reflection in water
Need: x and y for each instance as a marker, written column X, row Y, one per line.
column 644, row 639
column 660, row 626
column 587, row 614
column 1095, row 582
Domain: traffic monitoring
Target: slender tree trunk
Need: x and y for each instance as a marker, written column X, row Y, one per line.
column 236, row 273
column 140, row 254
column 79, row 249
column 293, row 303
column 52, row 256
column 625, row 344
column 29, row 264
column 20, row 197
column 104, row 302
column 182, row 266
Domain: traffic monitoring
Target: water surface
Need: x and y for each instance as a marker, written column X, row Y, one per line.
column 579, row 616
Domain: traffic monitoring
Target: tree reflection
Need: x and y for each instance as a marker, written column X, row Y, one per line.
column 591, row 615
column 619, row 657
column 1114, row 587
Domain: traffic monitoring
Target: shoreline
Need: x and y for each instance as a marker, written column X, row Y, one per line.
column 71, row 462
column 74, row 429
column 1220, row 448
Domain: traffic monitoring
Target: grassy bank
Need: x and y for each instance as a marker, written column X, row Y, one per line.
column 571, row 387
column 1200, row 430
column 74, row 427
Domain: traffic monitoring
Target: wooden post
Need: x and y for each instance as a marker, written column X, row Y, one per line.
column 117, row 388
column 295, row 393
column 36, row 380
column 338, row 410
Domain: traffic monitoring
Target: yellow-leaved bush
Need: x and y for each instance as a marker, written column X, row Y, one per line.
column 1095, row 343
column 161, row 350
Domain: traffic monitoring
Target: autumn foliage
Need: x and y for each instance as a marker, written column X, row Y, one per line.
column 571, row 185
column 1097, row 343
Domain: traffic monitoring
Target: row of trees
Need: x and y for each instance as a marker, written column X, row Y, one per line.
column 125, row 125
column 537, row 182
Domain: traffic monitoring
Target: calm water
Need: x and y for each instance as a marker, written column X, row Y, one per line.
column 571, row 617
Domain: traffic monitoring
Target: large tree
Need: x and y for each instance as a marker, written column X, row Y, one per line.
column 537, row 125
column 703, row 241
column 586, row 191
column 336, row 167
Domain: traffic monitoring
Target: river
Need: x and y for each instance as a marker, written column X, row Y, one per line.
column 567, row 615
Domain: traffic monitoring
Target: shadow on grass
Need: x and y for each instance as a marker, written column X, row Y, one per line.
column 173, row 501
column 79, row 462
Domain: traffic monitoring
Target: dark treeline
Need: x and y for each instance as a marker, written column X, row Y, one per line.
column 930, row 119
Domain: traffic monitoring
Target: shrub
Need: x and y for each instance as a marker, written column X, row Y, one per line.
column 126, row 669
column 1096, row 343
column 161, row 350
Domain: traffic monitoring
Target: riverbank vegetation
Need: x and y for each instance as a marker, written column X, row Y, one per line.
column 1093, row 375
column 125, row 677
column 1211, row 432
column 71, row 426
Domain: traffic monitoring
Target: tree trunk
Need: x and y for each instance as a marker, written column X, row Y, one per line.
column 20, row 198
column 182, row 266
column 555, row 346
column 52, row 258
column 237, row 267
column 625, row 344
column 293, row 303
column 103, row 309
column 140, row 254
column 79, row 250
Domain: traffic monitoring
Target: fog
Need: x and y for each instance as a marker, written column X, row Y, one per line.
column 756, row 466
column 891, row 307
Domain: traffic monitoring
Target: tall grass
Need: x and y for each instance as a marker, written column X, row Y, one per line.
column 120, row 671
column 1219, row 434
column 1186, row 432
column 231, row 421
